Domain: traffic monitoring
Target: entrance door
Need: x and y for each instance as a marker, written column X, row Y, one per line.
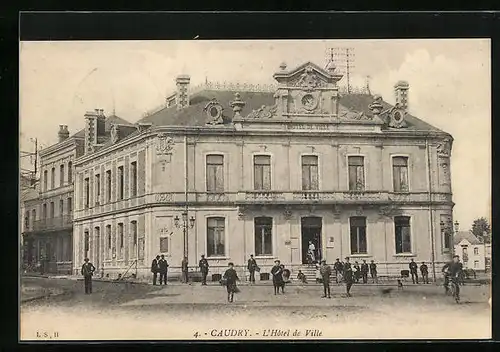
column 311, row 233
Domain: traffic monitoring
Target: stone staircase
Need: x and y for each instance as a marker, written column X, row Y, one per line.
column 310, row 273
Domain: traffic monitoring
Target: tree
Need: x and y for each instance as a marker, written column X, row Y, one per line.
column 481, row 229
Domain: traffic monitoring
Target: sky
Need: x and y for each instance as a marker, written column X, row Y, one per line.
column 450, row 87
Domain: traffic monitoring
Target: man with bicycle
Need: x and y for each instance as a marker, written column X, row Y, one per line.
column 452, row 271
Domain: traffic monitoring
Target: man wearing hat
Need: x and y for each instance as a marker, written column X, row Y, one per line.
column 87, row 272
column 252, row 267
column 277, row 274
column 203, row 264
column 155, row 268
column 325, row 271
column 348, row 276
column 163, row 269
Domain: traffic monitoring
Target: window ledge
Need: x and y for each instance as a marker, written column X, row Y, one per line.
column 217, row 258
column 405, row 255
column 360, row 255
column 265, row 257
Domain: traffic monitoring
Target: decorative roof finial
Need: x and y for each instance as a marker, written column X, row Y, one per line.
column 237, row 105
column 376, row 105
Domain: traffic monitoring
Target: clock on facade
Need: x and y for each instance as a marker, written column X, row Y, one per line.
column 309, row 102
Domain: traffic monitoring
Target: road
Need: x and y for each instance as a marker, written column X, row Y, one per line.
column 134, row 311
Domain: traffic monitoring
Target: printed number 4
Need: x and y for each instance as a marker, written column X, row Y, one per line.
column 196, row 334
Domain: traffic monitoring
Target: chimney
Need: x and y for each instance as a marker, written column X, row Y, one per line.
column 182, row 99
column 94, row 127
column 63, row 133
column 401, row 90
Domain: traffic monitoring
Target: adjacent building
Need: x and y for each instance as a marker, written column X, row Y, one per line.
column 229, row 171
column 471, row 250
column 48, row 222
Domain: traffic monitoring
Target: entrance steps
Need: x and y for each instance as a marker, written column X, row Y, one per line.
column 309, row 271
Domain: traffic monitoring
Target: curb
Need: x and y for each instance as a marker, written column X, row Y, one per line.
column 41, row 297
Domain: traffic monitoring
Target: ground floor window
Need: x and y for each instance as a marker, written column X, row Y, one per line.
column 215, row 237
column 403, row 234
column 86, row 244
column 263, row 236
column 358, row 235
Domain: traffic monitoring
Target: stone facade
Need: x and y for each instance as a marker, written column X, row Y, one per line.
column 206, row 165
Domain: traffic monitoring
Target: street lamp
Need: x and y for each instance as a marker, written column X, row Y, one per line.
column 185, row 225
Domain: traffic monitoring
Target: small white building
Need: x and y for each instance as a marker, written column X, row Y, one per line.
column 471, row 250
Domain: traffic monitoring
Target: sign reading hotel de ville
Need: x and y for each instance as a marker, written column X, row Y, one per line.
column 251, row 190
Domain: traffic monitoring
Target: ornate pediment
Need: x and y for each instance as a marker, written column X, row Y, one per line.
column 307, row 76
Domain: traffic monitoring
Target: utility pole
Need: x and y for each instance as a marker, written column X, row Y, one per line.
column 343, row 58
column 31, row 173
column 368, row 78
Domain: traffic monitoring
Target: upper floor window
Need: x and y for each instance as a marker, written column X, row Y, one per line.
column 70, row 172
column 61, row 175
column 108, row 185
column 215, row 173
column 476, row 251
column 97, row 188
column 358, row 235
column 120, row 182
column 310, row 179
column 27, row 219
column 61, row 207
column 262, row 172
column 263, row 236
column 476, row 264
column 356, row 173
column 215, row 237
column 400, row 173
column 45, row 180
column 53, row 178
column 70, row 206
column 44, row 210
column 403, row 234
column 86, row 192
column 133, row 179
column 33, row 215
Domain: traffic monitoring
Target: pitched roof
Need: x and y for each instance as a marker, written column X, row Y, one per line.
column 112, row 119
column 193, row 115
column 466, row 235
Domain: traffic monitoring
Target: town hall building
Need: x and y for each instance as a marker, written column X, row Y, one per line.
column 238, row 170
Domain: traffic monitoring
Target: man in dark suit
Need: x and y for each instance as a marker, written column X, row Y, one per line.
column 252, row 266
column 425, row 273
column 348, row 276
column 338, row 267
column 184, row 269
column 364, row 272
column 87, row 272
column 277, row 273
column 373, row 271
column 325, row 271
column 413, row 270
column 203, row 264
column 155, row 268
column 163, row 268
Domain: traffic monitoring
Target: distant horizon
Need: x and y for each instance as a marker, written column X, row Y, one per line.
column 449, row 88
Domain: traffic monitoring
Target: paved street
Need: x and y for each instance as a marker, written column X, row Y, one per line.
column 125, row 311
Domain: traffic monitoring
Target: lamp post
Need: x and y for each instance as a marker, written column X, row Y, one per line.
column 457, row 227
column 185, row 225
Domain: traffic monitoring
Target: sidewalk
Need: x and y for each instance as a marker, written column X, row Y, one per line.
column 30, row 293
